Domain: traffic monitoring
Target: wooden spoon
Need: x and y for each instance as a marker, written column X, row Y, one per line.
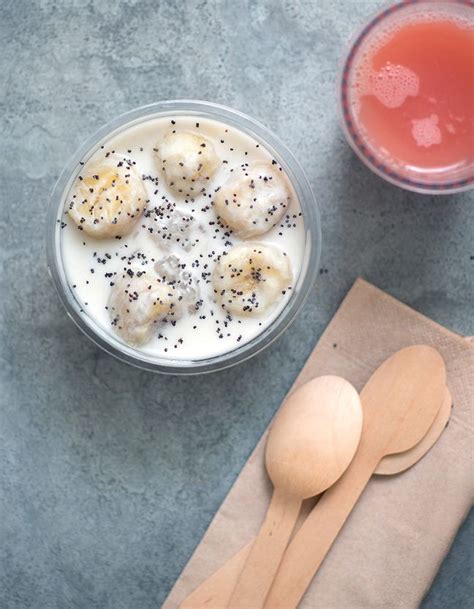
column 214, row 592
column 312, row 441
column 400, row 401
column 399, row 462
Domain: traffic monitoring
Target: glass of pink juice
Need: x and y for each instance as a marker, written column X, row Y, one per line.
column 407, row 95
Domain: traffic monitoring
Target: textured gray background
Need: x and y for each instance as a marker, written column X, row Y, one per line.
column 108, row 475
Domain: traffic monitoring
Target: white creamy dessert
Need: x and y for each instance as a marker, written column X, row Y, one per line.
column 182, row 237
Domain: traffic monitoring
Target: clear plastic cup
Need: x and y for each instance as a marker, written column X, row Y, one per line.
column 442, row 182
column 111, row 343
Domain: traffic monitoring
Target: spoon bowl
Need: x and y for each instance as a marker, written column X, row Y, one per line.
column 399, row 462
column 314, row 436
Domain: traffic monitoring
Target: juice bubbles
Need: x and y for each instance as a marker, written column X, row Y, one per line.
column 408, row 95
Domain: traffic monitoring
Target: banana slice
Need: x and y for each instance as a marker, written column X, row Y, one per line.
column 251, row 278
column 138, row 303
column 108, row 199
column 253, row 202
column 188, row 162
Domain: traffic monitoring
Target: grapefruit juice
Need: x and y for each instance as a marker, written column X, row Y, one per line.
column 408, row 95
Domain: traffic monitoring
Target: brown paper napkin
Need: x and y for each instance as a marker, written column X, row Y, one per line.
column 392, row 545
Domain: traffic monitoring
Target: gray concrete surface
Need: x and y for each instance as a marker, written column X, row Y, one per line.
column 109, row 475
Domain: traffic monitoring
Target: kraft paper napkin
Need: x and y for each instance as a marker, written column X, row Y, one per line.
column 394, row 541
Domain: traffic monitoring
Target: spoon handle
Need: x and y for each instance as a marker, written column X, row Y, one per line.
column 216, row 590
column 312, row 542
column 265, row 555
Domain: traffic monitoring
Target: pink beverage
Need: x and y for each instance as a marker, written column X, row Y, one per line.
column 408, row 95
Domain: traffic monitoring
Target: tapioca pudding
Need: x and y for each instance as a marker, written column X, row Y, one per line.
column 182, row 237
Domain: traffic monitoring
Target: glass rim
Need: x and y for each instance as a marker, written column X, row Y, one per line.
column 312, row 225
column 350, row 130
